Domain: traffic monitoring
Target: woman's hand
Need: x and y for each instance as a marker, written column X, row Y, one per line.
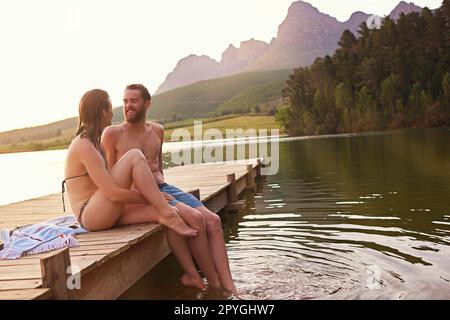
column 167, row 196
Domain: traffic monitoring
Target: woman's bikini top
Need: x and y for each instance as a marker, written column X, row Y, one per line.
column 86, row 174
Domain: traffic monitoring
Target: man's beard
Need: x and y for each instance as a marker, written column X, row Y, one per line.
column 138, row 116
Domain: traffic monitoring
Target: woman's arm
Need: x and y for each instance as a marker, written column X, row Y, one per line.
column 92, row 160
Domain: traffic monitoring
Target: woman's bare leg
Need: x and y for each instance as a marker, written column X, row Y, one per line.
column 101, row 213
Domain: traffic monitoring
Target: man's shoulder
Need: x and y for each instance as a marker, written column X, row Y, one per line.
column 152, row 124
column 113, row 131
column 155, row 126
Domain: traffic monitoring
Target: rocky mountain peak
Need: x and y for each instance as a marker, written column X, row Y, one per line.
column 305, row 34
column 404, row 7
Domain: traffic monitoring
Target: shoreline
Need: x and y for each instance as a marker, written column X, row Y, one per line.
column 283, row 137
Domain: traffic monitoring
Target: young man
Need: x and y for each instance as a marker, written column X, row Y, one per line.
column 208, row 248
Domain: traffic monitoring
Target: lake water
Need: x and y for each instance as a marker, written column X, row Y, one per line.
column 358, row 216
column 30, row 175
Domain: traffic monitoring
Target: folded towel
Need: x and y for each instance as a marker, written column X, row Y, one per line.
column 41, row 237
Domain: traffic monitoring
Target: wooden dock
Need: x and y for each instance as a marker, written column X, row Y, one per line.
column 111, row 261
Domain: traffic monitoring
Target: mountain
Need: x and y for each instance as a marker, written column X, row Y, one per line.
column 195, row 68
column 355, row 21
column 222, row 96
column 305, row 34
column 191, row 69
column 405, row 8
column 235, row 59
column 205, row 98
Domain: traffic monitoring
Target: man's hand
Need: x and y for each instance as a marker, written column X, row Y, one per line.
column 167, row 196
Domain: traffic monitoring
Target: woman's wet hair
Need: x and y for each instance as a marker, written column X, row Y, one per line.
column 91, row 108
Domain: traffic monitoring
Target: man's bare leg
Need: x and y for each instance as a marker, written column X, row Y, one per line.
column 177, row 243
column 182, row 252
column 199, row 245
column 217, row 246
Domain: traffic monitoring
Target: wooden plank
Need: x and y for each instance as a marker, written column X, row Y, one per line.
column 98, row 250
column 250, row 178
column 54, row 274
column 195, row 193
column 20, row 284
column 241, row 184
column 116, row 275
column 232, row 191
column 19, row 262
column 89, row 248
column 26, row 294
column 218, row 202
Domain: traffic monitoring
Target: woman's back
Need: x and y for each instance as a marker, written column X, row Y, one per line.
column 80, row 186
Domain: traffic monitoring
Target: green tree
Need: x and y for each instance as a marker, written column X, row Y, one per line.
column 369, row 118
column 344, row 106
column 346, row 58
column 446, row 91
column 394, row 77
column 390, row 92
column 309, row 122
column 415, row 106
column 284, row 117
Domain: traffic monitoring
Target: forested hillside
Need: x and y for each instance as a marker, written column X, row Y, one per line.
column 394, row 77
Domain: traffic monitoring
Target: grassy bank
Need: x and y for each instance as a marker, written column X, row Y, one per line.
column 244, row 122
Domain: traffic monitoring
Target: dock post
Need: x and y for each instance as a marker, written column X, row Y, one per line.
column 258, row 167
column 195, row 193
column 232, row 193
column 54, row 274
column 250, row 178
column 234, row 204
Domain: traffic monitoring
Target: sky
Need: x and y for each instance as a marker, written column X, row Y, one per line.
column 52, row 51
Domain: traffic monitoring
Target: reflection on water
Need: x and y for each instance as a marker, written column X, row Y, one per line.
column 347, row 217
column 358, row 217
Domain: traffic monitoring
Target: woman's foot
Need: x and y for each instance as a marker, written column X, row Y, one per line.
column 172, row 220
column 191, row 281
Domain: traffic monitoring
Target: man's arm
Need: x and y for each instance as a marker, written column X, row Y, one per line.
column 160, row 156
column 166, row 196
column 108, row 141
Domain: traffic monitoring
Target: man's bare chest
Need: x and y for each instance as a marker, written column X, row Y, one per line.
column 149, row 144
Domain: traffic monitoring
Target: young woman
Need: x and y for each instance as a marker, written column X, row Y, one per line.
column 97, row 196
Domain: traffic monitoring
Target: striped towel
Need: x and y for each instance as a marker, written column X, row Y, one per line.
column 42, row 237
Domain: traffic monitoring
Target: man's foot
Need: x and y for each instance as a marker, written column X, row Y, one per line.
column 173, row 221
column 232, row 292
column 215, row 285
column 190, row 281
